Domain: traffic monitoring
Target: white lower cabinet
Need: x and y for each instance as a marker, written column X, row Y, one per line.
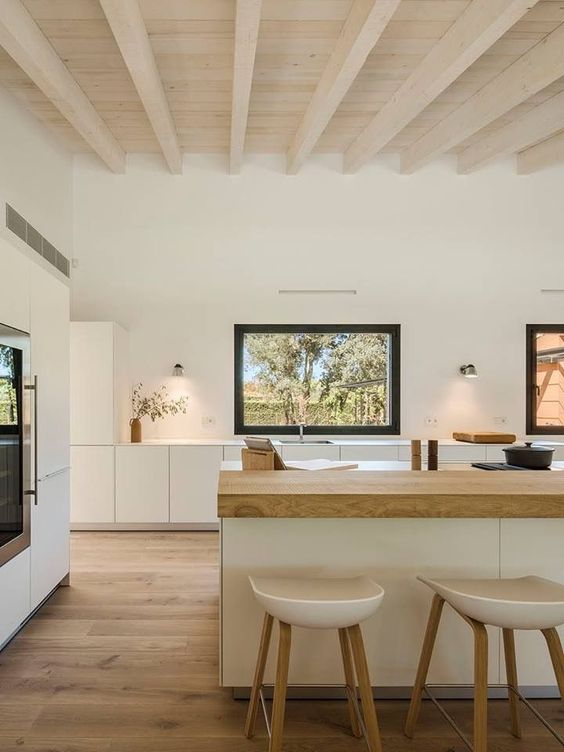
column 92, row 484
column 232, row 453
column 194, row 472
column 14, row 592
column 369, row 453
column 49, row 535
column 310, row 452
column 142, row 484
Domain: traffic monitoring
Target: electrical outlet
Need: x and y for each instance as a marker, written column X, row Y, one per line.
column 208, row 420
column 431, row 421
column 500, row 420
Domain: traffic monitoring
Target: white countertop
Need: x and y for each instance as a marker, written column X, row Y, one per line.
column 335, row 441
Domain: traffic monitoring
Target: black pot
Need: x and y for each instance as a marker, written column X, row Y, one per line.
column 534, row 457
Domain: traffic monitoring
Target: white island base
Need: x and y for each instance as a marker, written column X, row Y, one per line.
column 393, row 552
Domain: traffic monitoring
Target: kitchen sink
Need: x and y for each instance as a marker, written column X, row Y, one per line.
column 306, row 441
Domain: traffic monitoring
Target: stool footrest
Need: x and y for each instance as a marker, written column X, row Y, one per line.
column 450, row 720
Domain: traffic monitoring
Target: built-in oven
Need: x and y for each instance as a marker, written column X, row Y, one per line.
column 17, row 484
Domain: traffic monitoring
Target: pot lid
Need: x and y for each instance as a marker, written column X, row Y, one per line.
column 528, row 446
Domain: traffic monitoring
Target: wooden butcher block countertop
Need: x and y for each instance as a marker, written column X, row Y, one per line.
column 463, row 493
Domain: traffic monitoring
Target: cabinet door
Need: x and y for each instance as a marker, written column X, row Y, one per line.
column 14, row 594
column 14, row 301
column 50, row 535
column 92, row 484
column 193, row 483
column 232, row 453
column 50, row 363
column 369, row 452
column 92, row 382
column 142, row 484
column 310, row 452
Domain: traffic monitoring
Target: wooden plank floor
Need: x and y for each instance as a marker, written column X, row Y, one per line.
column 126, row 660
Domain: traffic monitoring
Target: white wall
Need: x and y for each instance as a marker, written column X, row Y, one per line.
column 36, row 174
column 458, row 261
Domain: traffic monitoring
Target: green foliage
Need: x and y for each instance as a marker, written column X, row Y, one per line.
column 316, row 379
column 8, row 395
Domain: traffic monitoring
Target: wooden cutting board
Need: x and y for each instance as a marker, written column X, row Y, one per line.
column 484, row 437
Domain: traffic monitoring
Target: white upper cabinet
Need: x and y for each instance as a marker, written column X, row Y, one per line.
column 99, row 383
column 194, row 474
column 14, row 300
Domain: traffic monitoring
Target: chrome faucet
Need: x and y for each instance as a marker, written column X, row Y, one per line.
column 302, row 427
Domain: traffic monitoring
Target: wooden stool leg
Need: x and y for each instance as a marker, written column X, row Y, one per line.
column 424, row 661
column 511, row 671
column 259, row 676
column 365, row 689
column 556, row 656
column 349, row 680
column 480, row 686
column 279, row 702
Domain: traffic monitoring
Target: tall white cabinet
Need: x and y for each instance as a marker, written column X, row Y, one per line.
column 50, row 365
column 99, row 412
column 100, row 391
column 36, row 300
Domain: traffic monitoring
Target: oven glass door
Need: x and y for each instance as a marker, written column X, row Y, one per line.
column 11, row 444
column 14, row 443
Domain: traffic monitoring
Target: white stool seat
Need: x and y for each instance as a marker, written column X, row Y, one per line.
column 520, row 603
column 318, row 603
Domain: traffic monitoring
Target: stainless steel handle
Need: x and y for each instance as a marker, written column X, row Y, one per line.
column 60, row 471
column 34, row 491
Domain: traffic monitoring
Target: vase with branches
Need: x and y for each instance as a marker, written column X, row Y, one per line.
column 156, row 406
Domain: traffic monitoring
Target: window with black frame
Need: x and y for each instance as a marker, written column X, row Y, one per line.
column 545, row 378
column 335, row 379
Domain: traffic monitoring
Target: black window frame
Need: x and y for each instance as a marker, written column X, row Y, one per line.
column 394, row 330
column 531, row 379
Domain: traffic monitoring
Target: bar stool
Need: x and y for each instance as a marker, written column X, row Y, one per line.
column 316, row 603
column 522, row 603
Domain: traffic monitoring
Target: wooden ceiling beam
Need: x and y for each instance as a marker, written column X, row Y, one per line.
column 536, row 125
column 474, row 32
column 247, row 20
column 362, row 29
column 128, row 28
column 26, row 44
column 545, row 154
column 539, row 67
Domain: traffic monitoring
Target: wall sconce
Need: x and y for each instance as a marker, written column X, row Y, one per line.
column 178, row 369
column 469, row 371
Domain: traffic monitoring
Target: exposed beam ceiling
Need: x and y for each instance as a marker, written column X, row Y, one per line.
column 482, row 24
column 543, row 155
column 247, row 20
column 533, row 71
column 539, row 123
column 128, row 28
column 24, row 41
column 362, row 29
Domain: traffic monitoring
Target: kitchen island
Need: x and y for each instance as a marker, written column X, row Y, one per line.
column 391, row 525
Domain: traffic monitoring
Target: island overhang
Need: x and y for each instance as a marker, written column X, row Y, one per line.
column 381, row 494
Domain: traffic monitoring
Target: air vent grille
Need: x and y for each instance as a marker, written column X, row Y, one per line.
column 21, row 227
